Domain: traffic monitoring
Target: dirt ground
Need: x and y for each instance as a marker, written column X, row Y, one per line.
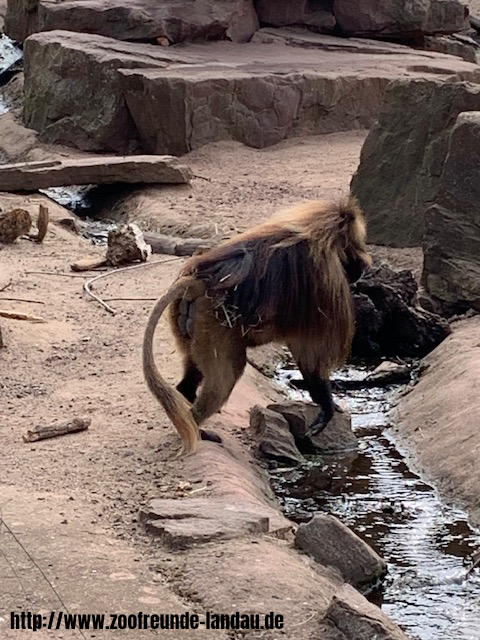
column 73, row 502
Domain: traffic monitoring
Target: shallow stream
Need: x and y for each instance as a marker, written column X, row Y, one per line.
column 429, row 545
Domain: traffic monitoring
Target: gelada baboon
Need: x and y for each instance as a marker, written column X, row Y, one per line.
column 285, row 281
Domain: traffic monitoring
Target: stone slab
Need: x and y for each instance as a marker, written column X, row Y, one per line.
column 136, row 20
column 31, row 176
column 124, row 96
column 191, row 521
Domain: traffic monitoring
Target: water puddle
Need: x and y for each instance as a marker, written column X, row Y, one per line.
column 429, row 545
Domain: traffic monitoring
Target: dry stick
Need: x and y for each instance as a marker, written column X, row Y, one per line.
column 54, row 273
column 129, row 299
column 22, row 300
column 88, row 284
column 14, row 315
column 43, row 432
column 5, row 286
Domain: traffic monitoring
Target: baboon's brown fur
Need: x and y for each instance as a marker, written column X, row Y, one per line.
column 286, row 281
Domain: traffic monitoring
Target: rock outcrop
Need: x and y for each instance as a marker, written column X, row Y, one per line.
column 394, row 19
column 281, row 13
column 122, row 97
column 402, row 158
column 138, row 20
column 451, row 268
column 389, row 322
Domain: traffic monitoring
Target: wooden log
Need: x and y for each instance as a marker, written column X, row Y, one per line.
column 15, row 315
column 141, row 169
column 175, row 245
column 42, row 223
column 89, row 263
column 43, row 432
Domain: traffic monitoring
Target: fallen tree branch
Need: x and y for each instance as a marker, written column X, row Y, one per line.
column 175, row 245
column 23, row 300
column 54, row 273
column 14, row 315
column 42, row 432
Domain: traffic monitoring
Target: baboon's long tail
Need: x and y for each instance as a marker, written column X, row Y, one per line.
column 176, row 406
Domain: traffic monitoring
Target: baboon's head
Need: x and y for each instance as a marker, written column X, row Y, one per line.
column 354, row 254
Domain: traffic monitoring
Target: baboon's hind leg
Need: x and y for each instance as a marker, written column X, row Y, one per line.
column 191, row 379
column 221, row 364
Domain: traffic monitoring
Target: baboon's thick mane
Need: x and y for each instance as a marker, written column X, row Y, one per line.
column 278, row 272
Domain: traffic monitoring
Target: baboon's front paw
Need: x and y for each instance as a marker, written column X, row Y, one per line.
column 210, row 435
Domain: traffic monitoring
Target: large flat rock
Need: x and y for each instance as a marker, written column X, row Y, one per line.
column 119, row 96
column 140, row 20
column 31, row 176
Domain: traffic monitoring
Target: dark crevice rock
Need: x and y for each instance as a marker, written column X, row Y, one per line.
column 388, row 320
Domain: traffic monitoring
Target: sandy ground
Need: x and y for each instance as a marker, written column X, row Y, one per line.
column 73, row 502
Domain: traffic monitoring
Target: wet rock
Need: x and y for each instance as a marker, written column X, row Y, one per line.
column 281, row 13
column 389, row 373
column 357, row 619
column 401, row 161
column 140, row 20
column 191, row 521
column 332, row 543
column 127, row 245
column 31, row 176
column 273, row 435
column 392, row 18
column 388, row 322
column 337, row 436
column 451, row 245
column 124, row 97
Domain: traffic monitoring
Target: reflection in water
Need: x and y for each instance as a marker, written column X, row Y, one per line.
column 428, row 544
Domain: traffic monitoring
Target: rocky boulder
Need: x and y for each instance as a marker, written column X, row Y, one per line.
column 351, row 617
column 388, row 320
column 332, row 543
column 401, row 161
column 274, row 437
column 451, row 270
column 137, row 20
column 398, row 19
column 283, row 13
column 336, row 437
